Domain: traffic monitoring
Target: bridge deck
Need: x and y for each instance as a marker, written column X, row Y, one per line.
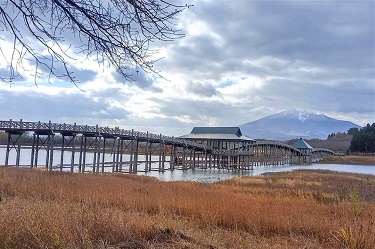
column 131, row 150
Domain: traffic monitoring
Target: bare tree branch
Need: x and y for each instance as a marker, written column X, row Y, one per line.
column 49, row 33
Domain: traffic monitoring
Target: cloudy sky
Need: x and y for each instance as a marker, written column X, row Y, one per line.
column 239, row 61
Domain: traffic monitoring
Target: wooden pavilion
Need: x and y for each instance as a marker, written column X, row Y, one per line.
column 228, row 146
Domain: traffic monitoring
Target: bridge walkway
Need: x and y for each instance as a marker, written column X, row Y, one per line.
column 83, row 148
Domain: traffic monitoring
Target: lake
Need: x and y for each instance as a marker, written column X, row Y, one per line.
column 198, row 175
column 214, row 175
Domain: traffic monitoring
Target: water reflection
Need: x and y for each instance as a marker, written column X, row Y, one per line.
column 214, row 175
column 198, row 175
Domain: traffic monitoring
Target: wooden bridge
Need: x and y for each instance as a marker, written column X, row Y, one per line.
column 89, row 149
column 277, row 153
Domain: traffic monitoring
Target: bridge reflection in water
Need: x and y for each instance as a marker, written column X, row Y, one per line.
column 133, row 151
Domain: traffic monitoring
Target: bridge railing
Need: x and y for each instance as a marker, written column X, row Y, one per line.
column 117, row 132
column 276, row 143
column 317, row 150
column 232, row 152
column 81, row 129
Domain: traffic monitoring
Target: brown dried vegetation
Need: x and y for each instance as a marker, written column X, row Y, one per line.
column 303, row 209
column 352, row 159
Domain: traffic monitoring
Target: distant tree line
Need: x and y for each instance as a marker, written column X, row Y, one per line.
column 27, row 138
column 338, row 142
column 24, row 139
column 332, row 135
column 363, row 139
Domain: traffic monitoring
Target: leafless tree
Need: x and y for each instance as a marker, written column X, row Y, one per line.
column 50, row 33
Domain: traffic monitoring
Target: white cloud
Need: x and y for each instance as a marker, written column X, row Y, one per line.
column 239, row 61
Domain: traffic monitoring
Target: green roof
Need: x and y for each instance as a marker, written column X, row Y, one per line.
column 217, row 133
column 217, row 130
column 301, row 144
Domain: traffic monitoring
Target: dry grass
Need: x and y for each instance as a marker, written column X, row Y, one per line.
column 354, row 160
column 301, row 209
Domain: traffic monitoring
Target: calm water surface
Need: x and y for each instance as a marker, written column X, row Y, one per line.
column 198, row 175
column 214, row 175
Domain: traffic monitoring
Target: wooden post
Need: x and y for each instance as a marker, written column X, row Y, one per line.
column 97, row 148
column 188, row 161
column 82, row 151
column 196, row 155
column 18, row 151
column 135, row 164
column 117, row 154
column 103, row 154
column 62, row 152
column 80, row 154
column 146, row 153
column 205, row 159
column 47, row 150
column 94, row 163
column 174, row 158
column 150, row 158
column 72, row 161
column 121, row 155
column 51, row 144
column 131, row 153
column 114, row 154
column 32, row 152
column 171, row 157
column 13, row 143
column 95, row 155
column 37, row 150
column 184, row 158
column 163, row 158
column 209, row 161
column 160, row 153
column 8, row 149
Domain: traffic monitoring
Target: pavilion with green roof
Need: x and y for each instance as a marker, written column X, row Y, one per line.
column 305, row 148
column 227, row 145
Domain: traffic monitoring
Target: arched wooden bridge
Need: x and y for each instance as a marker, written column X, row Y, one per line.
column 103, row 149
column 277, row 153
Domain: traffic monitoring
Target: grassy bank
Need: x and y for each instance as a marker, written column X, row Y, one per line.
column 303, row 209
column 354, row 160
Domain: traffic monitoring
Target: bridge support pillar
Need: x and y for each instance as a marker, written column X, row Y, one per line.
column 135, row 162
column 65, row 144
column 173, row 157
column 13, row 143
column 196, row 160
column 184, row 158
column 161, row 166
column 103, row 154
column 121, row 151
column 46, row 143
column 147, row 148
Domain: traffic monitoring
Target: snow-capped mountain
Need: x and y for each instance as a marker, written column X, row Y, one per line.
column 295, row 124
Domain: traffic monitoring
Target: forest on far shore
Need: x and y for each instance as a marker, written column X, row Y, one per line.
column 363, row 139
column 354, row 141
column 338, row 142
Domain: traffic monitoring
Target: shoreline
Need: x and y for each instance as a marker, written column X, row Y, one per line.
column 352, row 160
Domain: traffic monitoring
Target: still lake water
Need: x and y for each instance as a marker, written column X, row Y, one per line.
column 199, row 175
column 214, row 175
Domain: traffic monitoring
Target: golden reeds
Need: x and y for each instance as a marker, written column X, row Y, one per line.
column 299, row 209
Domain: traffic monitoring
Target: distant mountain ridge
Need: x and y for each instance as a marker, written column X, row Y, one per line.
column 295, row 124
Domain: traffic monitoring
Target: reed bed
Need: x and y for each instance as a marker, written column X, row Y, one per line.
column 351, row 159
column 303, row 209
